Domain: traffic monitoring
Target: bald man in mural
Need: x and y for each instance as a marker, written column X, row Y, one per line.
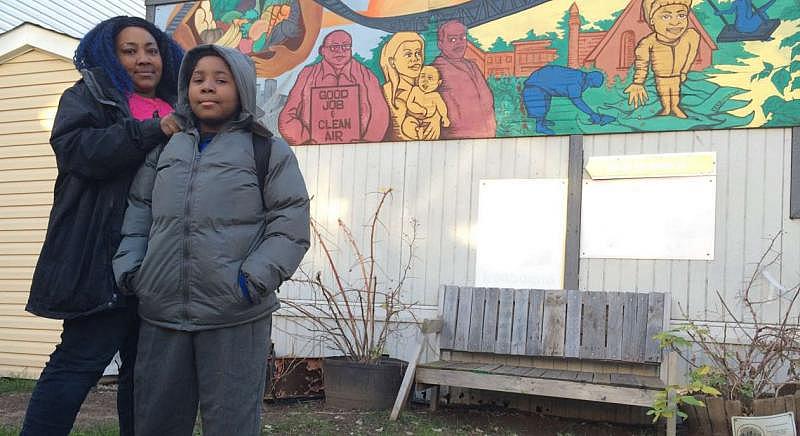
column 470, row 104
column 337, row 100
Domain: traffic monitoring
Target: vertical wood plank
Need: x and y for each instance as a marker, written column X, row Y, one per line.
column 464, row 312
column 593, row 326
column 519, row 327
column 629, row 343
column 794, row 191
column 533, row 345
column 504, row 321
column 572, row 334
column 476, row 324
column 616, row 302
column 575, row 188
column 640, row 330
column 490, row 320
column 553, row 323
column 449, row 314
column 655, row 324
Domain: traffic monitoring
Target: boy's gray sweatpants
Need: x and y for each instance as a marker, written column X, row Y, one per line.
column 224, row 369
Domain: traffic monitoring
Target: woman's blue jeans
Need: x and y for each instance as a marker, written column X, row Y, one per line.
column 87, row 346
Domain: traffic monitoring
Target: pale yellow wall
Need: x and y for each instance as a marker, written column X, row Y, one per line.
column 30, row 86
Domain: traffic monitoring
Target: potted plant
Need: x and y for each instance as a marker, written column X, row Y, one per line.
column 756, row 377
column 356, row 309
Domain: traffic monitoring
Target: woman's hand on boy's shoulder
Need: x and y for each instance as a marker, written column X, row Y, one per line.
column 170, row 125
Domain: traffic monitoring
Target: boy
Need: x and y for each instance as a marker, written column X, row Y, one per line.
column 425, row 105
column 205, row 248
column 670, row 50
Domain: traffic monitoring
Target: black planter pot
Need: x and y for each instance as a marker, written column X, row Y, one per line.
column 354, row 385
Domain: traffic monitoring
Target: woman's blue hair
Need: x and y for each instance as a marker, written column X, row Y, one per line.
column 98, row 49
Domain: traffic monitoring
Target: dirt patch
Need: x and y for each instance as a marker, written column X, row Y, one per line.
column 99, row 409
column 311, row 417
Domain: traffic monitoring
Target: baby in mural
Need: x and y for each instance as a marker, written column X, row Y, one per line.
column 670, row 51
column 425, row 104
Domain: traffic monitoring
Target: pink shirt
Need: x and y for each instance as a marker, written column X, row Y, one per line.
column 143, row 108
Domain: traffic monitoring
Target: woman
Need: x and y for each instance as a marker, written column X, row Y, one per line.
column 105, row 125
column 401, row 62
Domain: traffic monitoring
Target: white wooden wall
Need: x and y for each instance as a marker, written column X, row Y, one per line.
column 437, row 184
column 753, row 173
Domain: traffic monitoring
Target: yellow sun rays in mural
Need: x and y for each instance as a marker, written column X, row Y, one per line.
column 739, row 76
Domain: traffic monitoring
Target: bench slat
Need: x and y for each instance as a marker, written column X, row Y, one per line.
column 464, row 311
column 629, row 332
column 553, row 323
column 655, row 321
column 505, row 319
column 476, row 320
column 490, row 320
column 537, row 386
column 616, row 302
column 449, row 313
column 572, row 333
column 641, row 325
column 624, row 380
column 519, row 328
column 533, row 346
column 593, row 327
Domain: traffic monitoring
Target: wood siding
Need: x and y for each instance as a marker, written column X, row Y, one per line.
column 437, row 183
column 30, row 87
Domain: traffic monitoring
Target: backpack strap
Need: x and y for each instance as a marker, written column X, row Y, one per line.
column 262, row 148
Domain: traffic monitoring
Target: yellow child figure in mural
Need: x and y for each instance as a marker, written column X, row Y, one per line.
column 670, row 50
column 425, row 105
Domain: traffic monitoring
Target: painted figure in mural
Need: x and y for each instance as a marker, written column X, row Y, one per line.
column 105, row 125
column 401, row 62
column 557, row 81
column 748, row 17
column 425, row 105
column 336, row 100
column 670, row 50
column 468, row 98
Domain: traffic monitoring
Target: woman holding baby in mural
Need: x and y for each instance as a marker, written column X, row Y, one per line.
column 415, row 107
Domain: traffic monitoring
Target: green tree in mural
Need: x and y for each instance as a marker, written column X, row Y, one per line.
column 431, row 38
column 605, row 25
column 562, row 44
column 374, row 62
column 499, row 45
column 533, row 36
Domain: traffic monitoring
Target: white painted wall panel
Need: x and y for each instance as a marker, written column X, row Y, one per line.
column 753, row 170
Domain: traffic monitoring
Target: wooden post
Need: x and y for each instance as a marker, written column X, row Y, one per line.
column 428, row 326
column 572, row 249
column 794, row 196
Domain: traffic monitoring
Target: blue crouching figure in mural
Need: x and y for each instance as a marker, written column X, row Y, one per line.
column 557, row 81
column 749, row 18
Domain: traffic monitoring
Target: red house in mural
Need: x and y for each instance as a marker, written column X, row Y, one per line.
column 613, row 51
column 525, row 58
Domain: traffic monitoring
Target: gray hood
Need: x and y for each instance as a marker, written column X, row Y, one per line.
column 244, row 74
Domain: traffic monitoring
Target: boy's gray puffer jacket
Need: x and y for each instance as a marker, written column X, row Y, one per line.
column 194, row 221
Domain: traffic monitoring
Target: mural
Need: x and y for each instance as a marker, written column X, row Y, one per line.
column 347, row 71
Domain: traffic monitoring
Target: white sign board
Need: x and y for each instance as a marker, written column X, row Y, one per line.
column 521, row 233
column 650, row 218
column 775, row 425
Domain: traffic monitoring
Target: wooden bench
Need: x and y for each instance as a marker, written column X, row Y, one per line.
column 594, row 346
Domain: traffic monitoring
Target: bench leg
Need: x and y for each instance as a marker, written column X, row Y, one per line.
column 434, row 398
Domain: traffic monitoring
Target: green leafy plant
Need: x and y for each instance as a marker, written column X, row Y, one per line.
column 759, row 367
